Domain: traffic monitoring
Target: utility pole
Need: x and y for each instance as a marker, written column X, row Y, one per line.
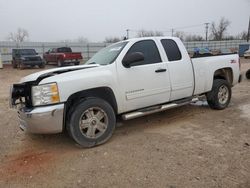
column 248, row 33
column 206, row 29
column 172, row 30
column 127, row 33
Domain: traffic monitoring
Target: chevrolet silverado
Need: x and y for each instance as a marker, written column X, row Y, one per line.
column 128, row 79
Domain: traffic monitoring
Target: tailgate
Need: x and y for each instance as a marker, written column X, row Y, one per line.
column 73, row 55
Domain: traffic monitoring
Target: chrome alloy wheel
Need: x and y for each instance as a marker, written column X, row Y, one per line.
column 223, row 94
column 93, row 122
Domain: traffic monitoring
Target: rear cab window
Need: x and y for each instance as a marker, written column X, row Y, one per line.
column 172, row 50
column 64, row 50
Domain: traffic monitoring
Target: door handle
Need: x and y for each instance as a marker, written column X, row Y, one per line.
column 160, row 70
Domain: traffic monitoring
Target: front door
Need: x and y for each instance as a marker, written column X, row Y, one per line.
column 147, row 82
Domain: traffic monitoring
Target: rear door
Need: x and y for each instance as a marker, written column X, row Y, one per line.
column 180, row 69
column 147, row 82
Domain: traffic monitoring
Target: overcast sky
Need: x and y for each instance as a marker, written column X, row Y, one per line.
column 55, row 20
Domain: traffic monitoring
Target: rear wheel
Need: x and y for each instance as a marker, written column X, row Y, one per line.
column 14, row 65
column 220, row 95
column 77, row 63
column 91, row 122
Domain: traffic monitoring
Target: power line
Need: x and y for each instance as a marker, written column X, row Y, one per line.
column 190, row 26
column 172, row 30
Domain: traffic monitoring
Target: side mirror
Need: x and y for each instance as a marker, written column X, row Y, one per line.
column 132, row 58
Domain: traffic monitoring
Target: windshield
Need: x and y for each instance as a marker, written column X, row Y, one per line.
column 107, row 55
column 27, row 52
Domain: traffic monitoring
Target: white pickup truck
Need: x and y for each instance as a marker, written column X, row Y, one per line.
column 128, row 79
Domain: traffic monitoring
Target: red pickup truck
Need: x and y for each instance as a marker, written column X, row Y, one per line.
column 62, row 56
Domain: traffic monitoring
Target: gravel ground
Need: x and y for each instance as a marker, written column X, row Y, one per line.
column 190, row 146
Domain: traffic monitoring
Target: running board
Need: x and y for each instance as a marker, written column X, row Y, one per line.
column 158, row 108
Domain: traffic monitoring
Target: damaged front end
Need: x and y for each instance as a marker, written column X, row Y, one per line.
column 46, row 119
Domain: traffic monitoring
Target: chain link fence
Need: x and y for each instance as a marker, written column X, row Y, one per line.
column 89, row 49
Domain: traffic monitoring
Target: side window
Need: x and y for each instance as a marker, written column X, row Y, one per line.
column 149, row 50
column 171, row 49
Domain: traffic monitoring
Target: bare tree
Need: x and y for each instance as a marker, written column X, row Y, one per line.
column 180, row 35
column 242, row 35
column 145, row 33
column 193, row 38
column 218, row 32
column 20, row 36
column 112, row 39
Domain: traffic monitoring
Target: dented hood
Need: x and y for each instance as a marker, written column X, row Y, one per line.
column 38, row 76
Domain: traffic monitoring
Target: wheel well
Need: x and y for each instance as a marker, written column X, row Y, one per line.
column 224, row 73
column 104, row 93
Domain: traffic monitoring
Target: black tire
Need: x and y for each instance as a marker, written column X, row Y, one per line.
column 21, row 66
column 41, row 66
column 220, row 95
column 59, row 63
column 14, row 65
column 80, row 112
column 248, row 74
column 76, row 63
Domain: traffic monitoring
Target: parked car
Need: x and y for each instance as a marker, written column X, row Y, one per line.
column 247, row 54
column 128, row 79
column 62, row 56
column 26, row 57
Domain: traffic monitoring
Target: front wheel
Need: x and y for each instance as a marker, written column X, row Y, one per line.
column 220, row 95
column 248, row 74
column 59, row 63
column 41, row 66
column 91, row 122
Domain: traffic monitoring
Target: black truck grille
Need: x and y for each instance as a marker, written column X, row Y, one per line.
column 32, row 59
